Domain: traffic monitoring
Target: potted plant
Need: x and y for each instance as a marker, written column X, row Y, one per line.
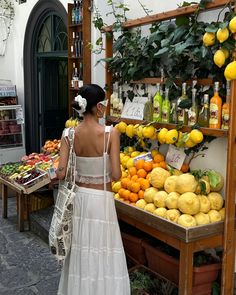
column 165, row 261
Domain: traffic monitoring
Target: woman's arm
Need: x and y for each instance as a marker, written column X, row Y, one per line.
column 115, row 154
column 64, row 155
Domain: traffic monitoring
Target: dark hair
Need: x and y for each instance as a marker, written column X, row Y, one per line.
column 93, row 93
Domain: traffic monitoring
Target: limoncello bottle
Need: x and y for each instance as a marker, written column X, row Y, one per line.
column 157, row 105
column 166, row 107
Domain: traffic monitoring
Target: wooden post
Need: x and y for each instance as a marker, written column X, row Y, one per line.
column 186, row 269
column 109, row 53
column 21, row 212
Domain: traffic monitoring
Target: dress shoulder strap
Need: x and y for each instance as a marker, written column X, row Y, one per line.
column 108, row 130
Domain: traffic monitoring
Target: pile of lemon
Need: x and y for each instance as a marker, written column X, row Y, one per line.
column 164, row 136
column 71, row 123
column 222, row 54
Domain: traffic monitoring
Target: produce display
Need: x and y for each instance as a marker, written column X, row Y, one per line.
column 9, row 169
column 186, row 197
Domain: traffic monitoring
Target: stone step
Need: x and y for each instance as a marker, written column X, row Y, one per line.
column 40, row 222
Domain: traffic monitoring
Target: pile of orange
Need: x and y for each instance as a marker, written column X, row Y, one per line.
column 52, row 146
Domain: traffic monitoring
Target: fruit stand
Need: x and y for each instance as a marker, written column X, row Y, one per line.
column 32, row 173
column 192, row 239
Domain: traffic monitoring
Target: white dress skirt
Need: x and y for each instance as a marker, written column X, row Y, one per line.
column 96, row 264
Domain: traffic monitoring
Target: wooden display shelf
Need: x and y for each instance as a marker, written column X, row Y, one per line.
column 165, row 226
column 75, row 25
column 205, row 131
column 202, row 82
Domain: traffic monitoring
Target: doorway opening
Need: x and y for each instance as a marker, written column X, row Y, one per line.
column 45, row 74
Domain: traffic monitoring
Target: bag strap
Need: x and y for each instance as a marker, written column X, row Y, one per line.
column 105, row 150
column 70, row 171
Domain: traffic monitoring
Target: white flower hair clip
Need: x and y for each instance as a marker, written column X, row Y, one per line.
column 82, row 103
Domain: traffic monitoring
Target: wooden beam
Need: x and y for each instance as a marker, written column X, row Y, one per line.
column 168, row 15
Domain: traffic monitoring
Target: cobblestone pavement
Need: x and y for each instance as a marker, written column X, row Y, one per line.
column 26, row 265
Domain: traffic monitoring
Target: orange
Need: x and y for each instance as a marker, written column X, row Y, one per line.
column 124, row 182
column 141, row 194
column 129, row 185
column 121, row 192
column 127, row 201
column 185, row 168
column 139, row 164
column 159, row 158
column 134, row 177
column 139, row 180
column 132, row 171
column 126, row 194
column 135, row 187
column 147, row 166
column 133, row 197
column 141, row 173
column 145, row 184
column 148, row 176
column 163, row 165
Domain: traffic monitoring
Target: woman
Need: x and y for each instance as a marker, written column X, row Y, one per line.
column 96, row 264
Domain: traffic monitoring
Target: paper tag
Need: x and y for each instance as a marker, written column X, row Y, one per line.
column 146, row 157
column 52, row 173
column 175, row 157
column 132, row 110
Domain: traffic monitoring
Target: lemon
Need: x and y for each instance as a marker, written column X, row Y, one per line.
column 189, row 143
column 130, row 163
column 135, row 154
column 162, row 135
column 219, row 58
column 139, row 131
column 68, row 122
column 121, row 127
column 73, row 123
column 122, row 156
column 143, row 144
column 124, row 174
column 226, row 52
column 154, row 137
column 171, row 136
column 232, row 25
column 208, row 39
column 154, row 153
column 124, row 161
column 130, row 130
column 117, row 196
column 230, row 71
column 116, row 186
column 148, row 131
column 196, row 136
column 222, row 35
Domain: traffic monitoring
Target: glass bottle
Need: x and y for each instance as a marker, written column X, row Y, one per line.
column 173, row 113
column 166, row 107
column 225, row 108
column 215, row 108
column 80, row 78
column 75, row 78
column 73, row 13
column 157, row 105
column 204, row 115
column 181, row 113
column 193, row 111
column 148, row 109
column 77, row 13
column 81, row 10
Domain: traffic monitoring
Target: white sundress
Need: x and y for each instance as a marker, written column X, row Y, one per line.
column 96, row 264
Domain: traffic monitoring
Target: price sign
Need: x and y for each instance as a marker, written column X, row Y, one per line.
column 146, row 157
column 19, row 116
column 175, row 157
column 133, row 110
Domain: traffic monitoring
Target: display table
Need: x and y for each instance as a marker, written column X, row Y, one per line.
column 22, row 200
column 186, row 240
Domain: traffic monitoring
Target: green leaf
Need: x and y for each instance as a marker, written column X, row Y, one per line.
column 223, row 25
column 211, row 28
column 182, row 20
column 204, row 51
column 214, row 178
column 161, row 52
column 203, row 186
column 165, row 42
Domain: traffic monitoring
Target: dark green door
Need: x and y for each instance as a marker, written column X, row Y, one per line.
column 53, row 105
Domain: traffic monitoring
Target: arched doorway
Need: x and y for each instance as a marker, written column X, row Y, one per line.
column 45, row 73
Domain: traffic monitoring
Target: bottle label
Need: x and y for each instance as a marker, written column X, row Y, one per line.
column 180, row 115
column 225, row 119
column 214, row 113
column 156, row 111
column 165, row 116
column 192, row 117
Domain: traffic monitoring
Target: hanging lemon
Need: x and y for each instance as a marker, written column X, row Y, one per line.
column 196, row 136
column 208, row 39
column 148, row 131
column 162, row 135
column 171, row 136
column 130, row 130
column 219, row 58
column 222, row 35
column 232, row 25
column 121, row 127
column 230, row 71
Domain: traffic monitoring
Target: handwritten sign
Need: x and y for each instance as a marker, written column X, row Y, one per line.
column 19, row 115
column 140, row 99
column 146, row 157
column 132, row 110
column 175, row 157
